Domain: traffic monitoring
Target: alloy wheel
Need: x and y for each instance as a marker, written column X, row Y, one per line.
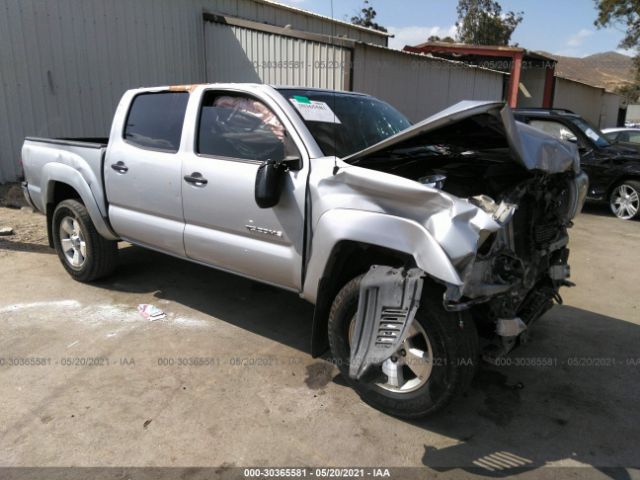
column 625, row 201
column 409, row 368
column 73, row 242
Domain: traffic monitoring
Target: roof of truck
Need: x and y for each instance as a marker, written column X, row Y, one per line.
column 191, row 87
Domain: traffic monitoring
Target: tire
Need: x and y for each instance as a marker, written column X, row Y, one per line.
column 74, row 234
column 624, row 200
column 453, row 342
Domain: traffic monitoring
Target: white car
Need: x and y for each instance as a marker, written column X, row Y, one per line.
column 623, row 135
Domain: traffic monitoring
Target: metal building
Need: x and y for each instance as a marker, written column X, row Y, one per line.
column 65, row 63
column 597, row 105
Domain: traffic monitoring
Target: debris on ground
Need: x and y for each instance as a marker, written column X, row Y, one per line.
column 11, row 196
column 5, row 231
column 150, row 312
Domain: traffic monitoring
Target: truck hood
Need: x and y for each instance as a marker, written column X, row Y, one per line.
column 470, row 125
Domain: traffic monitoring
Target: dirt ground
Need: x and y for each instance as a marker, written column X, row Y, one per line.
column 226, row 379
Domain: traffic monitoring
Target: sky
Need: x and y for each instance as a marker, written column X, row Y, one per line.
column 561, row 27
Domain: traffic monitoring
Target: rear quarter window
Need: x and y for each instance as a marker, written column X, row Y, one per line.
column 155, row 120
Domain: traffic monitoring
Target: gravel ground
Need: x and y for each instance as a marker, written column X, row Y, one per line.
column 569, row 398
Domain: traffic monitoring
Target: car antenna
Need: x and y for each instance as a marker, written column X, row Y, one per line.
column 333, row 64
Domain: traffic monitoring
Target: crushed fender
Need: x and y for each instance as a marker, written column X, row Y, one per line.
column 389, row 299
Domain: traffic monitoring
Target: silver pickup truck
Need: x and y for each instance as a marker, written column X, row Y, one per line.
column 423, row 247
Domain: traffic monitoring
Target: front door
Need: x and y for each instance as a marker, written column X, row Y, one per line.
column 224, row 226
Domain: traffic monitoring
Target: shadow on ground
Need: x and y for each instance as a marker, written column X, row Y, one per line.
column 598, row 208
column 571, row 393
column 247, row 304
column 14, row 246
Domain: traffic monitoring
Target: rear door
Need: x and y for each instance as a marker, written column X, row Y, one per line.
column 143, row 172
column 224, row 227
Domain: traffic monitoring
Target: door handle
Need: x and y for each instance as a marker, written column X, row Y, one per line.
column 196, row 179
column 120, row 167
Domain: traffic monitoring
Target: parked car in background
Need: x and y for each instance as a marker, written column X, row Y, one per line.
column 613, row 168
column 629, row 137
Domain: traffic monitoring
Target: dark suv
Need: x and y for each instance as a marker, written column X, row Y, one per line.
column 614, row 170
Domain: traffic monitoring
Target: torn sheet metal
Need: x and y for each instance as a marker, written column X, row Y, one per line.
column 537, row 150
column 389, row 299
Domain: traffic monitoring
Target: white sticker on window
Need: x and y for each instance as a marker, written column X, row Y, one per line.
column 592, row 135
column 313, row 111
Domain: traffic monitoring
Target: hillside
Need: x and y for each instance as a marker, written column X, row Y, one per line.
column 608, row 69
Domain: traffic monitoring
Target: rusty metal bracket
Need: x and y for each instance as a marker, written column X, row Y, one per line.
column 389, row 299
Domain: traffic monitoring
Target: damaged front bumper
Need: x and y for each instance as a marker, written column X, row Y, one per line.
column 510, row 280
column 511, row 255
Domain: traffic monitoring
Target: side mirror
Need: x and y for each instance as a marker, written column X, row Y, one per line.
column 270, row 177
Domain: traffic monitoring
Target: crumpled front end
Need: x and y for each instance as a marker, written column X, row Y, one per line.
column 497, row 197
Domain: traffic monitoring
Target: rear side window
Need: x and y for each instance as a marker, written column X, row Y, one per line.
column 632, row 137
column 155, row 120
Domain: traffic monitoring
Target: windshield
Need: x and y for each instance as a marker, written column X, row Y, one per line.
column 595, row 135
column 343, row 123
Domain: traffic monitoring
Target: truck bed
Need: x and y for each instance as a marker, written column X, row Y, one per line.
column 45, row 159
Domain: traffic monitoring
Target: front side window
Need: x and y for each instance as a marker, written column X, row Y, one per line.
column 155, row 120
column 241, row 127
column 614, row 136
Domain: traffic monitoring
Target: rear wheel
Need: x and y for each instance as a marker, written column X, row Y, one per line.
column 435, row 362
column 84, row 253
column 625, row 200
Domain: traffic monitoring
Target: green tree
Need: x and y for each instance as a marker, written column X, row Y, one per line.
column 626, row 13
column 366, row 18
column 630, row 92
column 436, row 38
column 481, row 22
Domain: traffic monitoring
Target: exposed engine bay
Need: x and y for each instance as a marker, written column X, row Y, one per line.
column 519, row 269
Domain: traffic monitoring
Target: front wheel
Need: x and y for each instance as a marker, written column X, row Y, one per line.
column 625, row 200
column 84, row 253
column 435, row 362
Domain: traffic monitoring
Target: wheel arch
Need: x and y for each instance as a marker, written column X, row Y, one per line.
column 621, row 179
column 347, row 242
column 348, row 259
column 61, row 182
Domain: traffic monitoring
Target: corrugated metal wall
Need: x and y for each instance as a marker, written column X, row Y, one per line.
column 65, row 63
column 533, row 80
column 240, row 54
column 266, row 11
column 593, row 103
column 633, row 114
column 417, row 85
